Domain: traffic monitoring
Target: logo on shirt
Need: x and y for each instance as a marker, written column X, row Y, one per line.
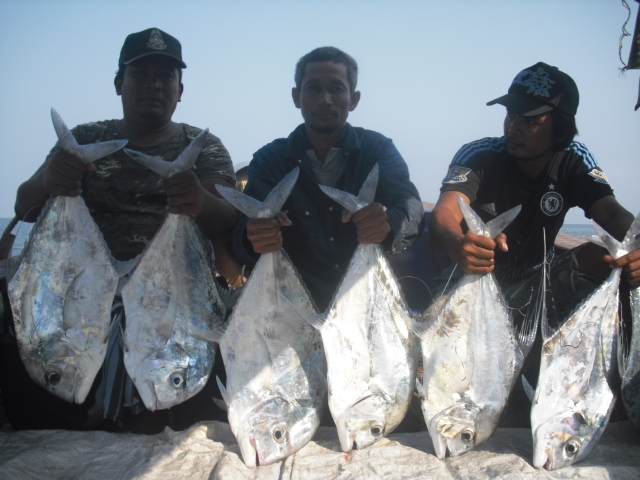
column 551, row 203
column 538, row 82
column 155, row 41
column 456, row 175
column 490, row 208
column 599, row 176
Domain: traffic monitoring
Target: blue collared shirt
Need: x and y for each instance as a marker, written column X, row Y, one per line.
column 318, row 243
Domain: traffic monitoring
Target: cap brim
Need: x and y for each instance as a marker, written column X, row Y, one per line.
column 521, row 104
column 178, row 61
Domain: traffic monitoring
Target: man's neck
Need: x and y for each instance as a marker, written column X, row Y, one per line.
column 321, row 143
column 147, row 135
column 533, row 167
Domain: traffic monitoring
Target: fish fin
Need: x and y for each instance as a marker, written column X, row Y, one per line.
column 344, row 199
column 420, row 388
column 276, row 197
column 322, row 376
column 595, row 239
column 271, row 206
column 316, row 320
column 246, row 204
column 223, row 392
column 529, row 328
column 367, row 192
column 182, row 163
column 13, row 263
column 497, row 225
column 124, row 267
column 122, row 339
column 214, row 335
column 87, row 153
column 474, row 222
column 419, row 329
column 220, row 403
column 365, row 196
column 613, row 246
column 528, row 389
column 229, row 297
column 631, row 239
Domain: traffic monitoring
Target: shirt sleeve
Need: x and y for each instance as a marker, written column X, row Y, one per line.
column 214, row 161
column 465, row 172
column 399, row 195
column 589, row 183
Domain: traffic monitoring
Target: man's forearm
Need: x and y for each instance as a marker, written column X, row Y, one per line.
column 30, row 198
column 217, row 218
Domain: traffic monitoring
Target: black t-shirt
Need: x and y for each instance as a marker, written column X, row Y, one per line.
column 484, row 172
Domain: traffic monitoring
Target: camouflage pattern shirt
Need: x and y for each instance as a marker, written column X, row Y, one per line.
column 122, row 195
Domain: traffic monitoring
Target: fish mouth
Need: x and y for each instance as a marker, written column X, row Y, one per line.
column 249, row 452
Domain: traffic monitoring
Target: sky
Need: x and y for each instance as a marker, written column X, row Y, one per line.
column 427, row 69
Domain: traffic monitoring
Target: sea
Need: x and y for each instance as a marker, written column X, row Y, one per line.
column 22, row 230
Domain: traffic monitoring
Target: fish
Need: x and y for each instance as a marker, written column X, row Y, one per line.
column 276, row 381
column 629, row 355
column 578, row 380
column 471, row 353
column 371, row 353
column 170, row 294
column 63, row 288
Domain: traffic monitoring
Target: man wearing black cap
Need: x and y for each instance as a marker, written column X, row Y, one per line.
column 535, row 164
column 127, row 200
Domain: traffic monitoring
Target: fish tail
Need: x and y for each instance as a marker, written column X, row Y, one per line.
column 271, row 206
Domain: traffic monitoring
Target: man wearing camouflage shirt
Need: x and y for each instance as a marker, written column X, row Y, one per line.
column 127, row 201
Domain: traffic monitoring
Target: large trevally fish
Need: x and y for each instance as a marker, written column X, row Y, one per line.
column 276, row 380
column 171, row 294
column 371, row 353
column 629, row 356
column 575, row 392
column 471, row 353
column 62, row 291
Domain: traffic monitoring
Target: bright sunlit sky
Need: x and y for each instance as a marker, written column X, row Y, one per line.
column 427, row 68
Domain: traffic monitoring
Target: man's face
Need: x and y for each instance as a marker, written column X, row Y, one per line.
column 150, row 89
column 325, row 97
column 528, row 138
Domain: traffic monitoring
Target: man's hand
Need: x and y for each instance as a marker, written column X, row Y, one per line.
column 630, row 265
column 371, row 223
column 185, row 194
column 475, row 253
column 264, row 233
column 63, row 174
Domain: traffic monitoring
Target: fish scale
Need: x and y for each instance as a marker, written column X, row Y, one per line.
column 62, row 291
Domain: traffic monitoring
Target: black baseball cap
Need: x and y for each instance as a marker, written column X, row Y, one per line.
column 540, row 89
column 151, row 41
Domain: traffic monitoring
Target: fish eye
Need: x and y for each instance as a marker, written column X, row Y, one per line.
column 279, row 434
column 376, row 430
column 53, row 377
column 571, row 449
column 467, row 436
column 176, row 380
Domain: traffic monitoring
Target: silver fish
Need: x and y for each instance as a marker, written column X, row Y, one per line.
column 371, row 354
column 471, row 354
column 574, row 396
column 61, row 293
column 171, row 294
column 629, row 356
column 274, row 360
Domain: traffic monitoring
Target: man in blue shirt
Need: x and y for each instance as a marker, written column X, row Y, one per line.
column 319, row 237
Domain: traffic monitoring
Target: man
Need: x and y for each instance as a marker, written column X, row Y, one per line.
column 538, row 165
column 319, row 237
column 126, row 199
